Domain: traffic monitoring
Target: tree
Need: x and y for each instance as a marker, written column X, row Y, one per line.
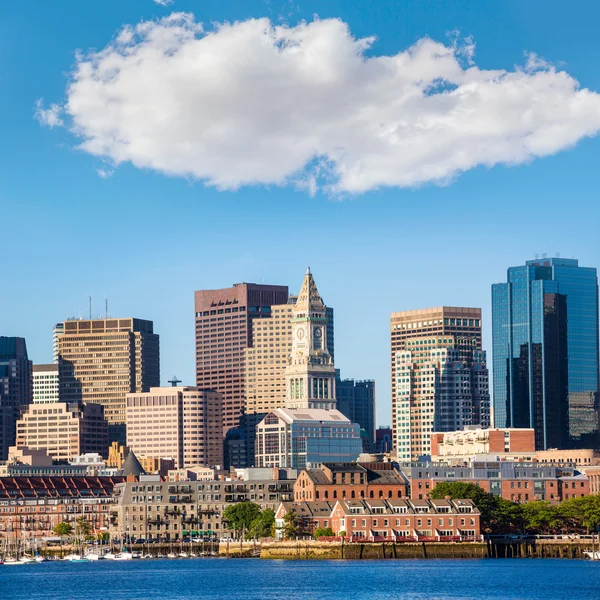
column 290, row 528
column 240, row 516
column 323, row 532
column 63, row 529
column 263, row 524
column 542, row 516
column 83, row 527
column 486, row 503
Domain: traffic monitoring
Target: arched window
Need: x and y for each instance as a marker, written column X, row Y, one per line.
column 326, row 494
column 371, row 495
column 335, row 493
column 353, row 494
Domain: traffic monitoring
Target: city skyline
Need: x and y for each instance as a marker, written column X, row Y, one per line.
column 147, row 241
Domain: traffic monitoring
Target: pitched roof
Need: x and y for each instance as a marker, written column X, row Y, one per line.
column 309, row 298
column 131, row 466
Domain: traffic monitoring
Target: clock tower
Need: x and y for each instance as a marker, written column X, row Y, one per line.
column 310, row 374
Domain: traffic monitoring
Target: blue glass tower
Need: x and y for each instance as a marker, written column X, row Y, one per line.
column 545, row 352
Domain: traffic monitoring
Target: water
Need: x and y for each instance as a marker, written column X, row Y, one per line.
column 219, row 579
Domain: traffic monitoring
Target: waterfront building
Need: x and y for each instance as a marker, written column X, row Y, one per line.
column 350, row 481
column 545, row 352
column 181, row 423
column 515, row 481
column 26, row 462
column 152, row 509
column 103, row 360
column 356, row 400
column 224, row 329
column 297, row 438
column 439, row 376
column 64, row 430
column 16, row 388
column 45, row 384
column 31, row 506
column 387, row 519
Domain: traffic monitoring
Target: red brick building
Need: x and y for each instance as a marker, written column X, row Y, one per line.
column 341, row 481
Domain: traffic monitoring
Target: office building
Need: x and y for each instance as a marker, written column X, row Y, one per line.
column 64, row 430
column 295, row 438
column 356, row 400
column 545, row 352
column 224, row 326
column 310, row 373
column 45, row 384
column 16, row 388
column 182, row 423
column 439, row 376
column 58, row 329
column 103, row 360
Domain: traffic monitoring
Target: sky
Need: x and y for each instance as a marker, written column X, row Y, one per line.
column 408, row 152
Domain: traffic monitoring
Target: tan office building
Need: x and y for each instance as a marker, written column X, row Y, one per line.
column 266, row 360
column 439, row 376
column 64, row 430
column 103, row 360
column 182, row 423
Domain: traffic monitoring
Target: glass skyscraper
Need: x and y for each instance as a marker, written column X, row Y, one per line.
column 545, row 352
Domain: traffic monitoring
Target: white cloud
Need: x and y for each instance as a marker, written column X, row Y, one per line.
column 254, row 103
column 164, row 2
column 105, row 173
column 50, row 117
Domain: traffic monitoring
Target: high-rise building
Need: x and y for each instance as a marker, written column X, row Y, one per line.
column 64, row 430
column 224, row 326
column 310, row 374
column 439, row 376
column 45, row 384
column 103, row 360
column 545, row 352
column 356, row 400
column 59, row 328
column 16, row 388
column 182, row 423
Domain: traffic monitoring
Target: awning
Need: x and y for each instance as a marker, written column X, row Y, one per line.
column 185, row 533
column 194, row 532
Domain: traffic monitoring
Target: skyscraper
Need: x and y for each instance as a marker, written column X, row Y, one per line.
column 310, row 374
column 45, row 384
column 356, row 400
column 103, row 360
column 439, row 375
column 545, row 352
column 224, row 321
column 16, row 388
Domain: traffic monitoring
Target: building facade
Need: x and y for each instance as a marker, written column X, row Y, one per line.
column 310, row 374
column 45, row 384
column 545, row 352
column 439, row 376
column 16, row 388
column 31, row 506
column 295, row 438
column 356, row 400
column 339, row 481
column 224, row 328
column 182, row 423
column 103, row 360
column 64, row 430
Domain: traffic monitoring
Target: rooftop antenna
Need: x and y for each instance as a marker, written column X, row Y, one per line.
column 90, row 302
column 536, row 255
column 545, row 255
column 558, row 255
column 106, row 308
column 174, row 381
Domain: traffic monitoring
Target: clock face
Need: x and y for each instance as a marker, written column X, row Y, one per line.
column 318, row 332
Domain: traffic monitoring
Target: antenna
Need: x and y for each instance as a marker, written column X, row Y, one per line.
column 536, row 255
column 558, row 255
column 545, row 255
column 106, row 308
column 90, row 302
column 174, row 381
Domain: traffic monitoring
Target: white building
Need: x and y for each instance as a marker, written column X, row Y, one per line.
column 294, row 438
column 45, row 384
column 59, row 329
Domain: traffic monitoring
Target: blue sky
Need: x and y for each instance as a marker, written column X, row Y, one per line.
column 148, row 237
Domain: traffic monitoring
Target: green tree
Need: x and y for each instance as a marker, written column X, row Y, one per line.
column 63, row 529
column 240, row 516
column 83, row 527
column 486, row 503
column 103, row 536
column 323, row 532
column 263, row 525
column 542, row 516
column 290, row 527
